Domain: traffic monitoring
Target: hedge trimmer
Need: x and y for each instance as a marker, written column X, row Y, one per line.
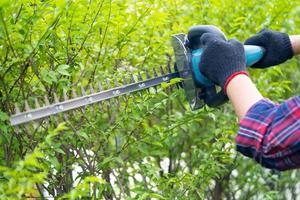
column 198, row 89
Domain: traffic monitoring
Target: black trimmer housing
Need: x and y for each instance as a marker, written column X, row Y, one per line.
column 184, row 47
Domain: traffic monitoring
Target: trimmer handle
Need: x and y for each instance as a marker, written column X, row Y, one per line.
column 252, row 54
column 195, row 32
column 209, row 93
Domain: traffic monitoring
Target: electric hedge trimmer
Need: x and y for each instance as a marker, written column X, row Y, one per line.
column 198, row 89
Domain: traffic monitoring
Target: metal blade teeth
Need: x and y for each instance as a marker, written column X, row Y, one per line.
column 74, row 94
column 108, row 83
column 27, row 108
column 108, row 87
column 154, row 72
column 37, row 104
column 161, row 70
column 147, row 77
column 124, row 81
column 117, row 99
column 169, row 60
column 100, row 86
column 91, row 92
column 116, row 83
column 91, row 89
column 169, row 68
column 17, row 109
column 155, row 75
column 140, row 78
column 83, row 92
column 132, row 78
column 65, row 98
column 56, row 99
column 65, row 95
column 147, row 74
column 138, row 81
column 47, row 103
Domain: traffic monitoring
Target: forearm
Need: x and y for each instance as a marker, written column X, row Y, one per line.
column 295, row 40
column 243, row 94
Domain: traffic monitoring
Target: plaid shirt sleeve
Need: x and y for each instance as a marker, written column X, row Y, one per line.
column 270, row 134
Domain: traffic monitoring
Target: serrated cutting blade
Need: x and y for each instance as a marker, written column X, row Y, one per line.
column 67, row 105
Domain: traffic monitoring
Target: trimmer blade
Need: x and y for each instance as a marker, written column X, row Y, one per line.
column 137, row 84
column 183, row 62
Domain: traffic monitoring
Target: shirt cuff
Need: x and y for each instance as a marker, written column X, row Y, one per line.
column 253, row 127
column 264, row 103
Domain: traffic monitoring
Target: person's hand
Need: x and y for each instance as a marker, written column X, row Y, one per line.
column 277, row 45
column 221, row 60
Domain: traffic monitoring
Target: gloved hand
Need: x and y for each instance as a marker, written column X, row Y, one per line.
column 221, row 60
column 278, row 47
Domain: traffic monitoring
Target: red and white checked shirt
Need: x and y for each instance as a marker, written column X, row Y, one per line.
column 270, row 134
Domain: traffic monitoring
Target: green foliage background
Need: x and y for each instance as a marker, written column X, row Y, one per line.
column 148, row 145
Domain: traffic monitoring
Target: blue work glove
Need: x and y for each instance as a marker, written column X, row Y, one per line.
column 277, row 45
column 221, row 60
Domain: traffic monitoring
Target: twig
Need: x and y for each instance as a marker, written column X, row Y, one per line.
column 102, row 42
column 89, row 31
column 7, row 34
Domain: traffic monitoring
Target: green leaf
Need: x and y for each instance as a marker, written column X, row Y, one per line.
column 4, row 3
column 156, row 196
column 48, row 76
column 3, row 116
column 54, row 162
column 61, row 127
column 176, row 80
column 107, row 160
column 94, row 179
column 83, row 134
column 59, row 150
column 62, row 69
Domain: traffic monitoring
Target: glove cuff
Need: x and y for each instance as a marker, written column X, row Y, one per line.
column 287, row 45
column 231, row 77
